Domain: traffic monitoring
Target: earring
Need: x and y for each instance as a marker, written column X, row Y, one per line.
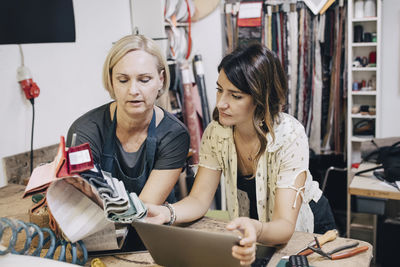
column 261, row 123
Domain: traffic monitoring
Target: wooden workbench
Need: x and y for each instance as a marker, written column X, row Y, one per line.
column 13, row 206
column 366, row 185
column 369, row 186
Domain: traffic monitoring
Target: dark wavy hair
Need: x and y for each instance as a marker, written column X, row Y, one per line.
column 257, row 71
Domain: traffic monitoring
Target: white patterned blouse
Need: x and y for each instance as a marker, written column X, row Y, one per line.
column 284, row 159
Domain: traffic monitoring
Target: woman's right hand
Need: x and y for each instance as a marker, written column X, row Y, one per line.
column 246, row 251
column 157, row 214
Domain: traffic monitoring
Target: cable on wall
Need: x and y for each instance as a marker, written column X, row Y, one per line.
column 31, row 91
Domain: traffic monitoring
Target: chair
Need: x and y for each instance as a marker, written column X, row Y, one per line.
column 325, row 180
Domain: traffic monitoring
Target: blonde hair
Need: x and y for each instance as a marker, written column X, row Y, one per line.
column 132, row 43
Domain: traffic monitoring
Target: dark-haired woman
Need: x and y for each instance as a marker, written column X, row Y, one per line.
column 261, row 151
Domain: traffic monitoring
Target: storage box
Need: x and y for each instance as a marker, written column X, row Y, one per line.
column 370, row 205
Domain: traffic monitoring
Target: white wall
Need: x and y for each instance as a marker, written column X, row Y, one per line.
column 207, row 41
column 390, row 78
column 68, row 74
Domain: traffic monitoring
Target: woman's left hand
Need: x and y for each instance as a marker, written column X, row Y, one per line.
column 246, row 252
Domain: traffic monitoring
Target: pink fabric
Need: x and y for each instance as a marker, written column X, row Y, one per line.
column 192, row 119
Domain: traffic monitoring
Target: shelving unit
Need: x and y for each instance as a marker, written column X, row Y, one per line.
column 358, row 74
column 368, row 96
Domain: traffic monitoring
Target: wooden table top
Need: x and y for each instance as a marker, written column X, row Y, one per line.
column 367, row 185
column 13, row 206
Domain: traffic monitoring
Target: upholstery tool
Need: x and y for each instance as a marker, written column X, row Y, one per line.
column 328, row 236
column 334, row 254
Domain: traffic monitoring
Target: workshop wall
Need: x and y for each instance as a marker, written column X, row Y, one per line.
column 390, row 68
column 68, row 74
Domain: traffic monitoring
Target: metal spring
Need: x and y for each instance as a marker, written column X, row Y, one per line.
column 32, row 230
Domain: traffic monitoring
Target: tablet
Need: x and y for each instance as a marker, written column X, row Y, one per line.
column 188, row 247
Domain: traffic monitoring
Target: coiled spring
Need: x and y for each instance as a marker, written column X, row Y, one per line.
column 31, row 231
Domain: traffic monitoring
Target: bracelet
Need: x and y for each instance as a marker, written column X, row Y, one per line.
column 171, row 208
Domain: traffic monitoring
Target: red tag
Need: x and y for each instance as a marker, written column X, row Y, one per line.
column 250, row 14
column 80, row 158
column 74, row 160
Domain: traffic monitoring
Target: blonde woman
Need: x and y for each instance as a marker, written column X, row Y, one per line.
column 130, row 137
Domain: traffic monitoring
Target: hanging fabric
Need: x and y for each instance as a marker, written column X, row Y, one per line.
column 229, row 27
column 292, row 28
column 300, row 82
column 327, row 49
column 192, row 114
column 311, row 51
column 332, row 103
column 178, row 15
column 267, row 28
column 201, row 84
column 315, row 135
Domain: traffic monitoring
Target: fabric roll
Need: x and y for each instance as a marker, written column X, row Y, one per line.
column 282, row 39
column 308, row 71
column 338, row 98
column 235, row 30
column 300, row 81
column 266, row 30
column 201, row 85
column 191, row 115
column 293, row 39
column 315, row 135
column 269, row 44
column 274, row 33
column 326, row 144
column 279, row 36
column 229, row 27
column 327, row 53
column 285, row 41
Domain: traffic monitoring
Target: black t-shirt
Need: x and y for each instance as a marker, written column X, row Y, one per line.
column 172, row 139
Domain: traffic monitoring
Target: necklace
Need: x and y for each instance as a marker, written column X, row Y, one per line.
column 244, row 154
column 249, row 151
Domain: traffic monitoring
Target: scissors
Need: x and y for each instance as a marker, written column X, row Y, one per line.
column 334, row 254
